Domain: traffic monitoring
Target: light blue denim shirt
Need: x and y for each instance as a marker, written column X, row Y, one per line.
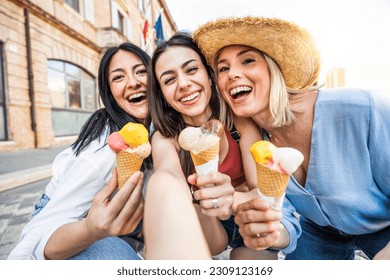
column 348, row 180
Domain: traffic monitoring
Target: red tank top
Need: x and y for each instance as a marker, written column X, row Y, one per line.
column 232, row 163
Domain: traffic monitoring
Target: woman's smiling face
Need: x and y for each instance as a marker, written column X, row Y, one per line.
column 184, row 83
column 127, row 76
column 243, row 80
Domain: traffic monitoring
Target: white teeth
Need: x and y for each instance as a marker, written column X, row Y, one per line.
column 190, row 97
column 239, row 89
column 137, row 95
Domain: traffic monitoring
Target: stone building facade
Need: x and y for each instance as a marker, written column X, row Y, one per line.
column 49, row 57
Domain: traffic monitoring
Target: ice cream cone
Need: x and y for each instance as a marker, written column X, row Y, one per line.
column 271, row 183
column 127, row 163
column 205, row 155
column 274, row 167
column 203, row 144
column 131, row 146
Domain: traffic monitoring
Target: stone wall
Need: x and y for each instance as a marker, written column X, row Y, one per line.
column 58, row 32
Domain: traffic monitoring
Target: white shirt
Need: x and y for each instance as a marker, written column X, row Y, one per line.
column 75, row 182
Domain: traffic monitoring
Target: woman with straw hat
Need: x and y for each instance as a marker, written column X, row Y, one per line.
column 267, row 70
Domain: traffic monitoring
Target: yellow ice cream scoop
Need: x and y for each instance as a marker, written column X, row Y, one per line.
column 262, row 151
column 134, row 134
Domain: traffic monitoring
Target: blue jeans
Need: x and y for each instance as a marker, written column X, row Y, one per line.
column 228, row 225
column 328, row 243
column 40, row 204
column 109, row 248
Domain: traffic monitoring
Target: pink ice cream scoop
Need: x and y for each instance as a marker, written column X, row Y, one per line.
column 116, row 142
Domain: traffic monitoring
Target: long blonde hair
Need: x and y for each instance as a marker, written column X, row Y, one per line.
column 279, row 100
column 279, row 104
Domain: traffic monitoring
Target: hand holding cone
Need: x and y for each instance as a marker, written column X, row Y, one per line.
column 131, row 146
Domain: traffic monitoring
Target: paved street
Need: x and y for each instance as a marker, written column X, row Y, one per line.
column 24, row 175
column 27, row 159
column 16, row 206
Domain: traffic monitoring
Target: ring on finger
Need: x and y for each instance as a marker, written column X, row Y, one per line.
column 259, row 235
column 214, row 203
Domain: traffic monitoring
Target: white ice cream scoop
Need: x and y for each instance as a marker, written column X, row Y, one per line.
column 288, row 158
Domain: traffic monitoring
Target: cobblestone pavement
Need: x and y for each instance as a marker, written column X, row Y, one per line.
column 16, row 206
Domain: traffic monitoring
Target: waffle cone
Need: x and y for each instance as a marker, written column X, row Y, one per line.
column 126, row 164
column 206, row 155
column 271, row 183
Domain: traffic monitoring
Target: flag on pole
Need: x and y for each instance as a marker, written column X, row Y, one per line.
column 159, row 30
column 146, row 30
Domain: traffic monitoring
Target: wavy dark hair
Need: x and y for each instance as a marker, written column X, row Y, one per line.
column 167, row 120
column 112, row 115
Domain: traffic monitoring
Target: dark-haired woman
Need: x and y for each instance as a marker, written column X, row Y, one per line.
column 59, row 228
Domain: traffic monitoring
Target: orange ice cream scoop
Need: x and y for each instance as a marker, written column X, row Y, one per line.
column 134, row 134
column 131, row 146
column 262, row 151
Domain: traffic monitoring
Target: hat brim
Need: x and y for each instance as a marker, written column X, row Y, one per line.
column 292, row 47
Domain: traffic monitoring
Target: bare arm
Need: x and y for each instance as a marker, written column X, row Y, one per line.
column 166, row 160
column 250, row 133
column 106, row 217
column 165, row 157
column 171, row 226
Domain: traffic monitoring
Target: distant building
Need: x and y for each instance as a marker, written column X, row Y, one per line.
column 49, row 57
column 375, row 77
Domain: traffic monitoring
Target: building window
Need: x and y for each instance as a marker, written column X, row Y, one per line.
column 89, row 10
column 73, row 96
column 129, row 29
column 3, row 115
column 84, row 7
column 121, row 19
column 74, row 4
column 141, row 5
column 70, row 87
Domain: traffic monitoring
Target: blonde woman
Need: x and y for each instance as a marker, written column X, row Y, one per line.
column 266, row 71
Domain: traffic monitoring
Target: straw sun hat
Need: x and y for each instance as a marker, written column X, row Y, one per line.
column 292, row 47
